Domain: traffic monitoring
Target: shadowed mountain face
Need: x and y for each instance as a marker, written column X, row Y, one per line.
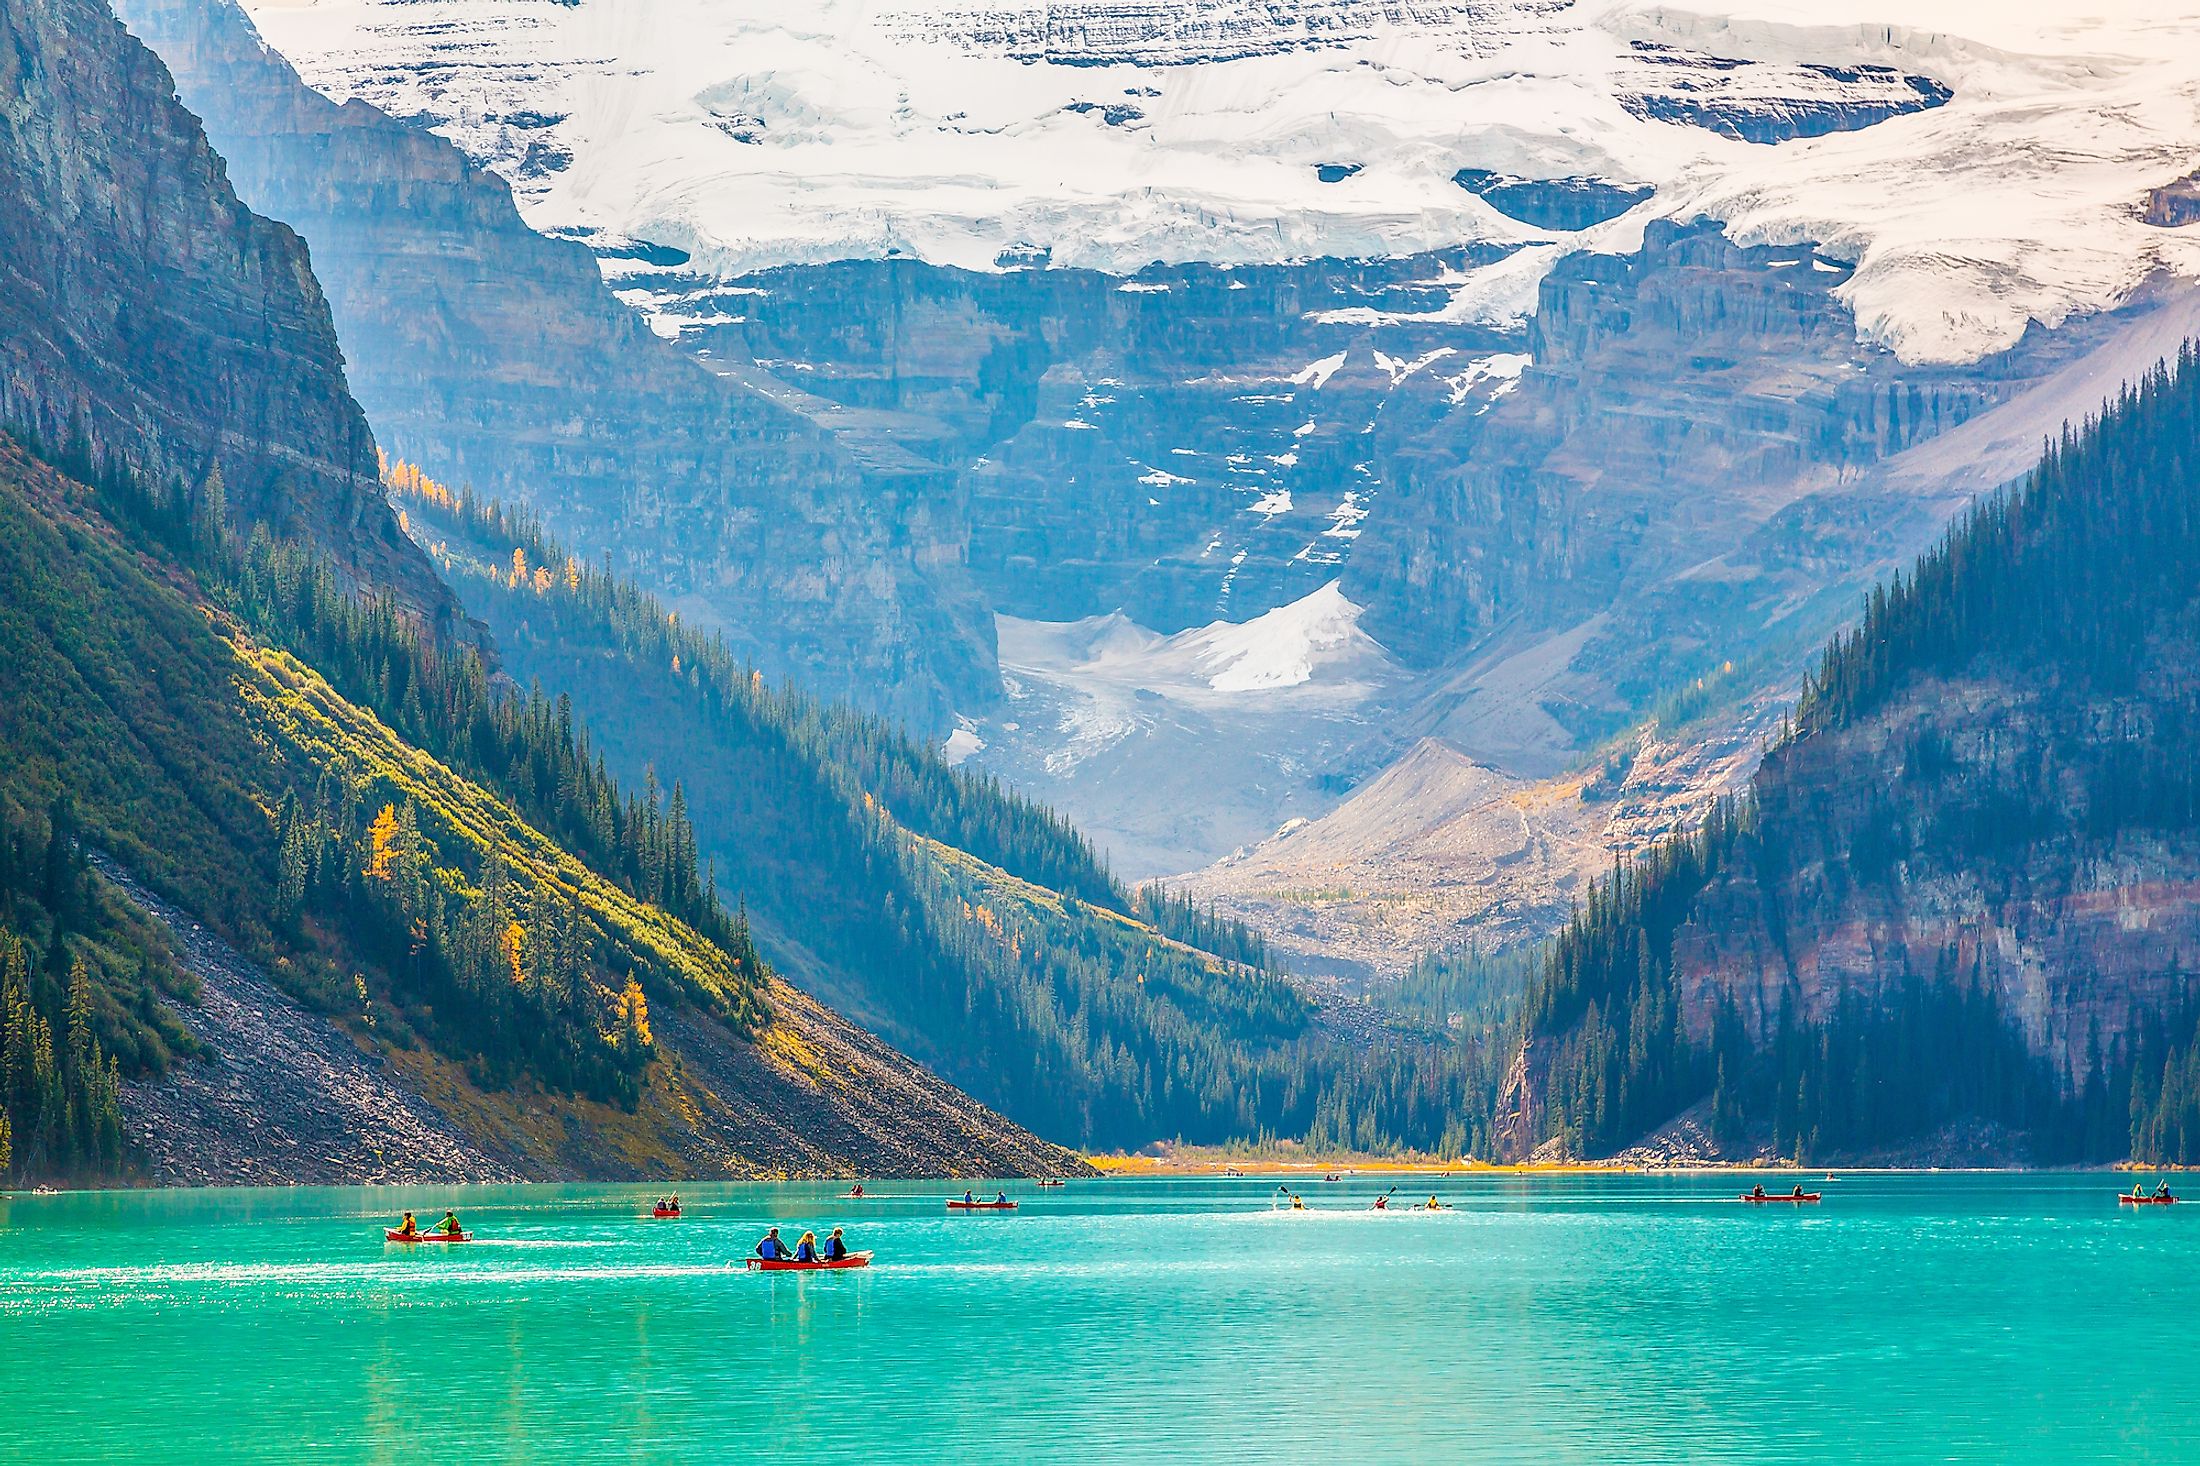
column 150, row 321
column 499, row 357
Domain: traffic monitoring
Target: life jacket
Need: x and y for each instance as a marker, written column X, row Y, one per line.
column 835, row 1249
column 807, row 1252
column 771, row 1247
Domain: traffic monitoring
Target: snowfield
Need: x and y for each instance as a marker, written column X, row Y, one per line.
column 1116, row 133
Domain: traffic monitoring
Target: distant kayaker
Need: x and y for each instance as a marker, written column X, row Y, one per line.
column 771, row 1249
column 835, row 1249
column 1298, row 1202
column 856, row 1190
column 410, row 1227
column 450, row 1225
column 806, row 1249
column 1382, row 1203
column 2163, row 1188
column 1434, row 1204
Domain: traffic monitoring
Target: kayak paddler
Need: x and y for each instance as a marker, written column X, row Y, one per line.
column 771, row 1249
column 806, row 1249
column 1434, row 1204
column 450, row 1225
column 2163, row 1188
column 409, row 1227
column 856, row 1190
column 835, row 1249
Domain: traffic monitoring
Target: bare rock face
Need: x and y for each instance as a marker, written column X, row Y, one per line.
column 150, row 321
column 498, row 357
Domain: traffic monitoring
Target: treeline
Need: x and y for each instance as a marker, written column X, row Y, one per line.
column 1175, row 914
column 441, row 698
column 2078, row 584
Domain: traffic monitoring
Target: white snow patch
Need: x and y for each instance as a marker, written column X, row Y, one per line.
column 1155, row 478
column 1502, row 369
column 1317, row 375
column 1272, row 503
column 1281, row 648
column 960, row 745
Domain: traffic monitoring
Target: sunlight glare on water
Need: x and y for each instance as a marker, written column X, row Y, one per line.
column 1580, row 1318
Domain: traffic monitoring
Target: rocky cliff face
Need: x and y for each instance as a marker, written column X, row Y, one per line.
column 500, row 358
column 149, row 320
column 1892, row 866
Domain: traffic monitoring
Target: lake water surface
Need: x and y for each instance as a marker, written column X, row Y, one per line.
column 1591, row 1319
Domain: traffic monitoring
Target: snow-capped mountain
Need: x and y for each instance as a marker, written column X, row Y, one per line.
column 1981, row 164
column 1565, row 365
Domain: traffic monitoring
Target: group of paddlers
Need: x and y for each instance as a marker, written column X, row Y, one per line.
column 774, row 1249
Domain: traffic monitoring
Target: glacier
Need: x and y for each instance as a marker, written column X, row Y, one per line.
column 1985, row 165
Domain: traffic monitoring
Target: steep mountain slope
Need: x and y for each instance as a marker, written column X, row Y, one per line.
column 504, row 980
column 501, row 357
column 151, row 322
column 1962, row 894
column 474, row 934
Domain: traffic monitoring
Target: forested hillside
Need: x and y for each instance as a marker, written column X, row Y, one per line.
column 961, row 921
column 1958, row 908
column 380, row 881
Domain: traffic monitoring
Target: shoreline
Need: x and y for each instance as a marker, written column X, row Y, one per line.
column 1144, row 1166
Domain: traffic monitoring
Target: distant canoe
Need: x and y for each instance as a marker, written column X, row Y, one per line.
column 981, row 1206
column 1806, row 1196
column 395, row 1236
column 2146, row 1200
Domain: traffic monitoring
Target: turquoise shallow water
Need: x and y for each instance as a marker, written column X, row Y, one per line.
column 1616, row 1318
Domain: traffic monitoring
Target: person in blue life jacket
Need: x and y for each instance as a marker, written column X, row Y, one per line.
column 836, row 1250
column 2163, row 1188
column 771, row 1249
column 806, row 1249
column 970, row 1198
column 1001, row 1199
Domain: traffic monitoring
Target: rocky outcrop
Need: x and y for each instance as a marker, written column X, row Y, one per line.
column 499, row 357
column 150, row 321
column 1564, row 204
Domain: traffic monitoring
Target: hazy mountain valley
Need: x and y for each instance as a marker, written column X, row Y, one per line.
column 802, row 525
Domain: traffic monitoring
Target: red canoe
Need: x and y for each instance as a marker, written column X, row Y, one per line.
column 2146, row 1200
column 665, row 1212
column 789, row 1265
column 981, row 1206
column 1806, row 1196
column 429, row 1237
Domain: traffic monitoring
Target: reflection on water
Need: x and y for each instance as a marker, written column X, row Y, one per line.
column 1598, row 1318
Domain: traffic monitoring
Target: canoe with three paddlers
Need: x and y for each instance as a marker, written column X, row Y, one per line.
column 790, row 1265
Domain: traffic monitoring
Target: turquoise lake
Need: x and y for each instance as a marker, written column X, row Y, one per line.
column 1591, row 1319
